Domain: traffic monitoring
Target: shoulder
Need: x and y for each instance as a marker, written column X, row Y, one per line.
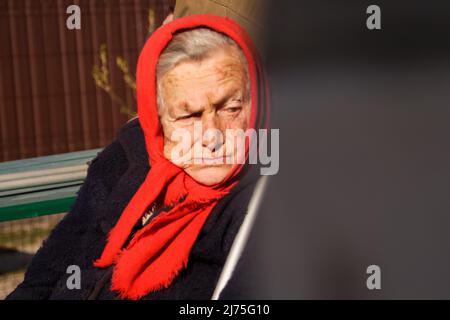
column 131, row 138
column 127, row 149
column 129, row 141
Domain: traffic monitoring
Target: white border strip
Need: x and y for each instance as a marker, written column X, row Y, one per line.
column 241, row 238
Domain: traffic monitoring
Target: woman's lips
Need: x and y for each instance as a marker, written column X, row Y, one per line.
column 212, row 160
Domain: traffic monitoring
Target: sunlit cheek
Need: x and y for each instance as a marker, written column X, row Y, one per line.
column 235, row 146
column 178, row 145
column 235, row 139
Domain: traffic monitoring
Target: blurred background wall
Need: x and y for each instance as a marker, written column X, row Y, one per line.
column 364, row 153
column 49, row 101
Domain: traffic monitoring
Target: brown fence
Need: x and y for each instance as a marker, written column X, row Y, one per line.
column 49, row 102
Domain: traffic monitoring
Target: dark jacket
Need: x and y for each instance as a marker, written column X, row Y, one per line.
column 113, row 178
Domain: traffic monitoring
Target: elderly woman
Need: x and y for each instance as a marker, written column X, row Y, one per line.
column 151, row 222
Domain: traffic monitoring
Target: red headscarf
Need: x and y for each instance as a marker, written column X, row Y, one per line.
column 157, row 252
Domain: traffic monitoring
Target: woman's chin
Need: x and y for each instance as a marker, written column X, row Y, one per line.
column 209, row 175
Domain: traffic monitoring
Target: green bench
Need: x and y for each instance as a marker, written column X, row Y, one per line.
column 42, row 186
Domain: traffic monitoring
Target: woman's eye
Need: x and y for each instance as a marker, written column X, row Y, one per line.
column 192, row 115
column 233, row 109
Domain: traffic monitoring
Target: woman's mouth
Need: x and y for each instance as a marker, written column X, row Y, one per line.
column 213, row 160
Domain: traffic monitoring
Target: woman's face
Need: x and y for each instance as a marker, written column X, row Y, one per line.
column 201, row 100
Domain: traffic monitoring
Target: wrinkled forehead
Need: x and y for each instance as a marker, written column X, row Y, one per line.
column 197, row 44
column 220, row 74
column 219, row 67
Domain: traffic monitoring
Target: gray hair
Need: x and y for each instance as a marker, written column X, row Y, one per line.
column 194, row 45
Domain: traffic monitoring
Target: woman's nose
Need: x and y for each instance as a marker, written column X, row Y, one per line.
column 212, row 136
